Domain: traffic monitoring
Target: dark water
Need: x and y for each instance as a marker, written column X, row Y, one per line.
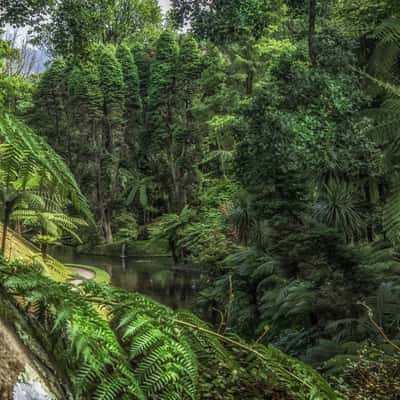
column 156, row 277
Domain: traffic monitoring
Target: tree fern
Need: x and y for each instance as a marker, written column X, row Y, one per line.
column 387, row 51
column 163, row 359
column 142, row 350
column 30, row 152
column 33, row 176
column 54, row 223
column 384, row 64
column 92, row 348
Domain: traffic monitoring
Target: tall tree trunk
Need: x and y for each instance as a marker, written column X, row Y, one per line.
column 370, row 228
column 18, row 228
column 249, row 83
column 312, row 15
column 105, row 228
column 174, row 193
column 43, row 248
column 172, row 247
column 102, row 211
column 183, row 192
column 106, row 224
column 6, row 222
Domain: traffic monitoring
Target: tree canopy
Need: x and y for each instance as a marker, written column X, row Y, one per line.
column 258, row 140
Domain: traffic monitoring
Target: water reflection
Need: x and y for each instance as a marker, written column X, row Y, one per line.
column 153, row 276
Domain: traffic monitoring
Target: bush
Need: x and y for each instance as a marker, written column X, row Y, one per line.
column 126, row 228
column 375, row 375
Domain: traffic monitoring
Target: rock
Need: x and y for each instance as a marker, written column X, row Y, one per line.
column 30, row 391
column 25, row 369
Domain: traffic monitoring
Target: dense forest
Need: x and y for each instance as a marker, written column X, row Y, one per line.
column 257, row 141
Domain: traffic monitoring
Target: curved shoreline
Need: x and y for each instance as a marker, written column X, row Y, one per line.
column 83, row 273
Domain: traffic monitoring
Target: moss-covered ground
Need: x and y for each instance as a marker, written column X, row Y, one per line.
column 20, row 249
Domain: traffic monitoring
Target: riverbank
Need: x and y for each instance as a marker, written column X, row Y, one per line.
column 88, row 272
column 137, row 248
column 157, row 277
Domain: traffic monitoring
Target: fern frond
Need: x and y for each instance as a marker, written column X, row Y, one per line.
column 391, row 212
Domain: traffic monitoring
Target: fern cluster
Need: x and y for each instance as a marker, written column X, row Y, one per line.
column 113, row 344
column 30, row 154
column 162, row 358
column 81, row 339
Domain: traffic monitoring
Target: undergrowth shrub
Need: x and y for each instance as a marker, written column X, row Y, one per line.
column 112, row 344
column 374, row 374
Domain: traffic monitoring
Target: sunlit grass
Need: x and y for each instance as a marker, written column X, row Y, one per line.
column 20, row 249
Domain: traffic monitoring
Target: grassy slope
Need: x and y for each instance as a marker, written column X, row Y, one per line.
column 20, row 249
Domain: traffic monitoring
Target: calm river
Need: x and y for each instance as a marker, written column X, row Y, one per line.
column 156, row 277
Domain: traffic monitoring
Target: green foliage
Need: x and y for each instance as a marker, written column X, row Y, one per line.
column 201, row 237
column 365, row 16
column 144, row 350
column 336, row 208
column 373, row 374
column 127, row 228
column 309, row 308
column 50, row 96
column 111, row 81
column 76, row 27
column 172, row 141
column 252, row 144
column 273, row 167
column 385, row 130
column 205, row 240
column 53, row 223
column 133, row 101
column 160, row 89
column 24, row 12
column 16, row 91
column 88, row 99
column 162, row 70
column 25, row 152
column 140, row 190
column 224, row 21
column 171, row 227
column 35, row 181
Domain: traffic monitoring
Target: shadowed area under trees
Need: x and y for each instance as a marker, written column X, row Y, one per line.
column 258, row 140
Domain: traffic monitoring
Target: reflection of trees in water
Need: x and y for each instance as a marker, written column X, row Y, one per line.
column 186, row 287
column 180, row 288
column 127, row 279
column 144, row 282
column 109, row 270
column 171, row 287
column 123, row 264
column 153, row 276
